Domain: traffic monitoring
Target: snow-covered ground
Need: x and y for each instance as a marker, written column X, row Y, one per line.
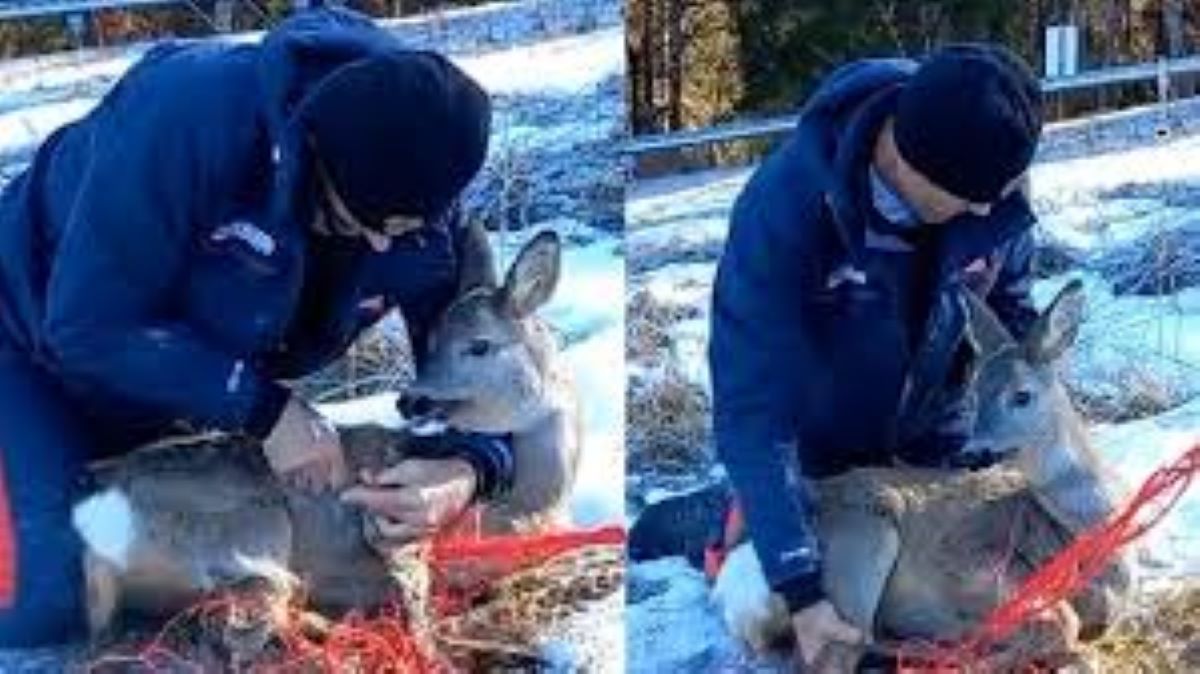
column 557, row 97
column 555, row 70
column 1132, row 349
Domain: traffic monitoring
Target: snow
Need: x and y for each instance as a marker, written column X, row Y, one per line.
column 1133, row 451
column 1089, row 203
column 589, row 310
column 34, row 103
column 1163, row 162
column 1081, row 203
column 1129, row 339
column 564, row 66
column 65, row 76
column 669, row 620
column 463, row 30
column 375, row 409
column 557, row 110
column 21, row 129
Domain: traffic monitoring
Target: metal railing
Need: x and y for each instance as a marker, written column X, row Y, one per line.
column 21, row 9
column 1160, row 71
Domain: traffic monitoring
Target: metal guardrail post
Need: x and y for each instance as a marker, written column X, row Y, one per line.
column 21, row 9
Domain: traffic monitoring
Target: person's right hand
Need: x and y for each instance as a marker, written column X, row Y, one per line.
column 819, row 625
column 303, row 449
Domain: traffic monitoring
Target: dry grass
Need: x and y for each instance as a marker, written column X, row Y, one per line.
column 253, row 627
column 648, row 326
column 1162, row 634
column 668, row 423
column 381, row 360
column 1142, row 395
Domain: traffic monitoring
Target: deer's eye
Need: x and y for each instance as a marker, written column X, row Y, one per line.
column 1022, row 398
column 479, row 348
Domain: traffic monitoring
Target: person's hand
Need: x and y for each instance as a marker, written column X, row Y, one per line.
column 304, row 450
column 415, row 498
column 818, row 626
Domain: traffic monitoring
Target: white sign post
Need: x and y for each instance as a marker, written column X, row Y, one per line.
column 1062, row 51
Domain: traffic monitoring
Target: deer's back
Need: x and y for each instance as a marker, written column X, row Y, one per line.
column 209, row 511
column 966, row 541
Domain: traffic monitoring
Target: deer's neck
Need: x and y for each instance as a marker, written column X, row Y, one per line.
column 547, row 450
column 1068, row 480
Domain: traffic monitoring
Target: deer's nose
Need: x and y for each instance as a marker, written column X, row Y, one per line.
column 414, row 406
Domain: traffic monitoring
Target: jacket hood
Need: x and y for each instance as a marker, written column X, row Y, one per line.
column 305, row 48
column 841, row 120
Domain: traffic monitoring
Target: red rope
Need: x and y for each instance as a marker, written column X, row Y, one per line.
column 382, row 643
column 1068, row 572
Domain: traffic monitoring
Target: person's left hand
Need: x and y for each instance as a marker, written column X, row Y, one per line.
column 415, row 498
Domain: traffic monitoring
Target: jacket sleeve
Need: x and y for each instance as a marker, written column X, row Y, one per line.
column 1011, row 297
column 757, row 349
column 422, row 311
column 109, row 323
column 490, row 456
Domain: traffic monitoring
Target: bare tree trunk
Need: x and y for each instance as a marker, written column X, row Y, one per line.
column 641, row 54
column 1110, row 28
column 655, row 56
column 675, row 47
column 1173, row 29
column 1175, row 33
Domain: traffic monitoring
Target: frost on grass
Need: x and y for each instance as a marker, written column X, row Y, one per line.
column 667, row 413
column 1160, row 632
column 668, row 423
column 649, row 325
column 379, row 361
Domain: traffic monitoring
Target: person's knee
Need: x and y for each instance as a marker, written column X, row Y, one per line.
column 42, row 455
column 33, row 623
column 48, row 605
column 46, row 602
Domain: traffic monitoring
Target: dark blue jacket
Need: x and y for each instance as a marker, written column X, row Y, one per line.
column 827, row 353
column 156, row 257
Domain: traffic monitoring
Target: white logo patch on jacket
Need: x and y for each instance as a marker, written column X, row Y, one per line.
column 845, row 274
column 249, row 233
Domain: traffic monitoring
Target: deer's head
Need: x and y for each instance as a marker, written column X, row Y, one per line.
column 490, row 360
column 1024, row 413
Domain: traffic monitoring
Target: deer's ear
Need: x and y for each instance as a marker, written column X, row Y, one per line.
column 985, row 332
column 1056, row 329
column 477, row 266
column 533, row 276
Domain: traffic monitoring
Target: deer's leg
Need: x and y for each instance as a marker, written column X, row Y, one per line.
column 1099, row 603
column 861, row 549
column 103, row 592
column 254, row 610
column 1049, row 640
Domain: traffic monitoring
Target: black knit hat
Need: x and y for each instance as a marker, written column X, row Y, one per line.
column 969, row 120
column 399, row 133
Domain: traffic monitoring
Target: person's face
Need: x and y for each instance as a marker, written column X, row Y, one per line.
column 338, row 220
column 934, row 204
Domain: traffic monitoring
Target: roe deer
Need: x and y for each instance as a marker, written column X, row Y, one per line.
column 174, row 523
column 924, row 554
